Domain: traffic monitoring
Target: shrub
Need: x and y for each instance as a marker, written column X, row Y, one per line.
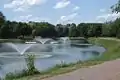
column 30, row 65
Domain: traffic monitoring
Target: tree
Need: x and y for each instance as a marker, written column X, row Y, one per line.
column 65, row 31
column 2, row 19
column 45, row 29
column 60, row 30
column 82, row 29
column 116, row 7
column 26, row 30
column 115, row 28
column 6, row 30
column 91, row 31
column 73, row 30
column 98, row 31
column 94, row 29
column 106, row 30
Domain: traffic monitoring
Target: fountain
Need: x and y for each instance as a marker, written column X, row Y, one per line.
column 22, row 49
column 64, row 39
column 43, row 41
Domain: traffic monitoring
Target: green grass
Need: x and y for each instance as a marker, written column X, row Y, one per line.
column 112, row 53
column 11, row 40
column 15, row 40
column 112, row 49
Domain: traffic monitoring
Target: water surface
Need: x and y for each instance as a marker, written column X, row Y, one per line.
column 47, row 55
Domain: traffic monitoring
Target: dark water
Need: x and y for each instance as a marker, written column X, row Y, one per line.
column 47, row 55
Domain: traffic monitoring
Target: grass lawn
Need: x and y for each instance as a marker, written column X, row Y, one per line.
column 112, row 53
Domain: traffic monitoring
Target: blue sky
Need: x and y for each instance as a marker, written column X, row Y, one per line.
column 58, row 11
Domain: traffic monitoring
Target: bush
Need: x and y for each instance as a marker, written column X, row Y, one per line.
column 30, row 65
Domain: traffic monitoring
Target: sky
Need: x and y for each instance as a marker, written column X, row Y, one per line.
column 58, row 11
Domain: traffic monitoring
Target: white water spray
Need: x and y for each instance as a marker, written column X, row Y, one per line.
column 64, row 39
column 42, row 41
column 21, row 49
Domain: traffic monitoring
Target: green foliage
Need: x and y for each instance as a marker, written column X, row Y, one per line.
column 25, row 29
column 94, row 30
column 89, row 29
column 6, row 31
column 116, row 7
column 62, row 30
column 2, row 19
column 111, row 29
column 73, row 30
column 45, row 29
column 14, row 29
column 106, row 30
column 30, row 64
column 112, row 52
column 16, row 75
column 82, row 29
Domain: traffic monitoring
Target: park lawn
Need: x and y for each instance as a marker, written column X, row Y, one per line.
column 112, row 53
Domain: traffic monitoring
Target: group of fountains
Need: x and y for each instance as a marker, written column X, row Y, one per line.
column 47, row 52
column 27, row 45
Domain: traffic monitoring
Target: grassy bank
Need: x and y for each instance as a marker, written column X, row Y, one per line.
column 112, row 53
column 112, row 49
column 11, row 40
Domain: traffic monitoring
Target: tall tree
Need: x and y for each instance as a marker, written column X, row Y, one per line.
column 59, row 29
column 82, row 29
column 116, row 7
column 73, row 30
column 6, row 30
column 106, row 30
column 2, row 19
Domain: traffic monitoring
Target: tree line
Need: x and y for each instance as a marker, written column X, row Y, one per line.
column 12, row 29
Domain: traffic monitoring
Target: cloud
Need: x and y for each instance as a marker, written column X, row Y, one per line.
column 102, row 10
column 30, row 17
column 22, row 5
column 68, row 18
column 62, row 4
column 108, row 17
column 25, row 17
column 76, row 8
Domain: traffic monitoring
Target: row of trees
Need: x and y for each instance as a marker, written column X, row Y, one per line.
column 45, row 29
column 20, row 29
column 14, row 29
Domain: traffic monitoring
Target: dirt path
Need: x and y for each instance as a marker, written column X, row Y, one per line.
column 107, row 71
